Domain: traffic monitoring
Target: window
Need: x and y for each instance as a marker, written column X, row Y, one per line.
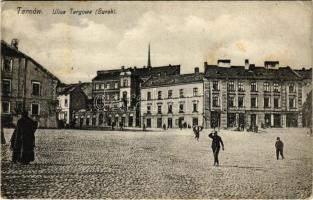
column 6, row 86
column 231, row 86
column 169, row 94
column 149, row 109
column 8, row 65
column 267, row 102
column 96, row 86
column 195, row 107
column 195, row 121
column 159, row 95
column 35, row 109
column 108, row 85
column 215, row 85
column 170, row 108
column 292, row 102
column 148, row 95
column 19, row 107
column 125, row 82
column 254, row 102
column 36, row 88
column 266, row 87
column 181, row 108
column 276, row 102
column 65, row 102
column 159, row 109
column 231, row 102
column 240, row 102
column 116, row 85
column 181, row 93
column 276, row 87
column 291, row 88
column 240, row 86
column 215, row 101
column 5, row 107
column 253, row 87
column 102, row 86
column 195, row 92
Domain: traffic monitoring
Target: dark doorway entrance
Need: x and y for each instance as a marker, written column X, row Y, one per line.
column 231, row 119
column 277, row 122
column 148, row 123
column 169, row 123
column 180, row 122
column 159, row 123
column 253, row 120
column 241, row 120
column 130, row 121
column 292, row 120
column 267, row 120
column 215, row 119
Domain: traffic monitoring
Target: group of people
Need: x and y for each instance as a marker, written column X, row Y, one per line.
column 23, row 141
column 217, row 143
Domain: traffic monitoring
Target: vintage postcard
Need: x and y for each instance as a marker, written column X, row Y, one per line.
column 156, row 100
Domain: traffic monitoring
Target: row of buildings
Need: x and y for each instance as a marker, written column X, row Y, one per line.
column 222, row 96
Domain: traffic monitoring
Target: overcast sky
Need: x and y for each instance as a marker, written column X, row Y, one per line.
column 186, row 33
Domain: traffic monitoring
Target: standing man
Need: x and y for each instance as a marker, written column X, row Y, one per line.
column 279, row 145
column 23, row 140
column 216, row 141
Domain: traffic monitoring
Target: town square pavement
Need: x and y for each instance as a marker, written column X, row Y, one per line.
column 160, row 164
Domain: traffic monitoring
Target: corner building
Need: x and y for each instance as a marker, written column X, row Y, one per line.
column 269, row 96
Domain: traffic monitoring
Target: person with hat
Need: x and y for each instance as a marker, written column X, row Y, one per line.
column 216, row 145
column 279, row 145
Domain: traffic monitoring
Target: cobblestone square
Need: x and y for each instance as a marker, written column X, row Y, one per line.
column 160, row 164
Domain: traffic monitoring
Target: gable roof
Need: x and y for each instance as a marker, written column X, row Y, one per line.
column 7, row 49
column 304, row 73
column 173, row 80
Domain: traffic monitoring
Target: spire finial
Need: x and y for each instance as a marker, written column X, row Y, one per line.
column 149, row 61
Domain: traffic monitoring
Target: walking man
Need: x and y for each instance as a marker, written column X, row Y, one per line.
column 23, row 140
column 216, row 145
column 279, row 145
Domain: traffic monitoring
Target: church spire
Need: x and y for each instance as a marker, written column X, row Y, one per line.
column 149, row 61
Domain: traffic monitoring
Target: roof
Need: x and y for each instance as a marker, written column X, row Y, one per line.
column 173, row 80
column 9, row 50
column 143, row 73
column 304, row 73
column 67, row 89
column 239, row 72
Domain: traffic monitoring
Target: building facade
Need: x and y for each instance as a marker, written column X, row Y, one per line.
column 71, row 99
column 26, row 85
column 116, row 96
column 236, row 96
column 172, row 101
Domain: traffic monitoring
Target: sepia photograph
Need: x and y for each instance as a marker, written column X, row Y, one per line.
column 156, row 100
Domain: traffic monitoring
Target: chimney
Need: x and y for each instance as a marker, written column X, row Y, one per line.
column 271, row 64
column 246, row 63
column 122, row 67
column 196, row 70
column 251, row 66
column 14, row 43
column 223, row 63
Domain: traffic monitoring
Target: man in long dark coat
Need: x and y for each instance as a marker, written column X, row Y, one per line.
column 216, row 141
column 23, row 140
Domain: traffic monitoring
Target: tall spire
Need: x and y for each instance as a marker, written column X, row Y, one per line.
column 149, row 61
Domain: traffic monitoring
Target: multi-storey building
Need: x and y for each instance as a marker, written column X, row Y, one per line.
column 172, row 101
column 116, row 95
column 248, row 95
column 71, row 99
column 26, row 85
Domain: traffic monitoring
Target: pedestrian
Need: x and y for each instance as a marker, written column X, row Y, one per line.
column 216, row 142
column 164, row 127
column 197, row 130
column 113, row 124
column 23, row 140
column 279, row 145
column 121, row 126
column 143, row 127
